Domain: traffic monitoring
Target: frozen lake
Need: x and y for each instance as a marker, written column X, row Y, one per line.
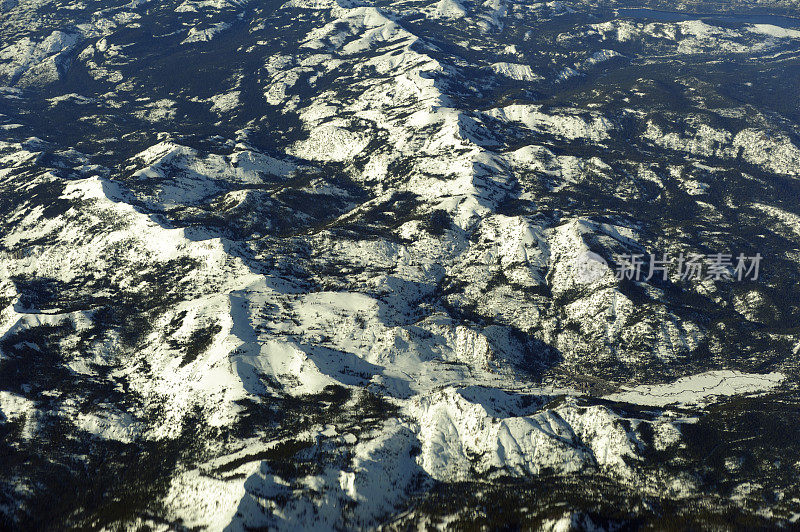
column 670, row 16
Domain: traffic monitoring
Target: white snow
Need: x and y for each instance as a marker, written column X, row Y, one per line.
column 516, row 71
column 774, row 31
column 206, row 34
column 332, row 143
column 460, row 438
column 699, row 388
column 449, row 9
column 563, row 124
column 224, row 103
column 29, row 63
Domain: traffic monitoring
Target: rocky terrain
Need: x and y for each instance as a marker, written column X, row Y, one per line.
column 316, row 264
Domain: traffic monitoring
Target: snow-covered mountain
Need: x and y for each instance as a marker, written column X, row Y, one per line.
column 321, row 264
